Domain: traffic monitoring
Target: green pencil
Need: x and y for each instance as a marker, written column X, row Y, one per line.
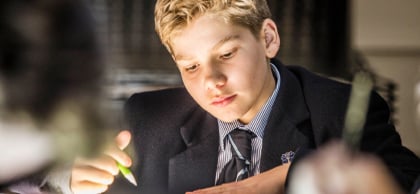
column 357, row 109
column 126, row 172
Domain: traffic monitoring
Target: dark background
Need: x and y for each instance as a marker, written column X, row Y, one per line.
column 314, row 34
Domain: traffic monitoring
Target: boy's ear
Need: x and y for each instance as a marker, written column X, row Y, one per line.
column 271, row 38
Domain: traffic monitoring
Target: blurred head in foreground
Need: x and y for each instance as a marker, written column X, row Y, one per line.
column 49, row 85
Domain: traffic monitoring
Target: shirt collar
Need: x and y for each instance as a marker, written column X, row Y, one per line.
column 258, row 123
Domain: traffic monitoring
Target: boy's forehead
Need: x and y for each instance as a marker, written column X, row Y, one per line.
column 206, row 29
column 184, row 45
column 199, row 20
column 215, row 46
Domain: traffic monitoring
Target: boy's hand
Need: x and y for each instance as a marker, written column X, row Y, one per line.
column 270, row 182
column 95, row 175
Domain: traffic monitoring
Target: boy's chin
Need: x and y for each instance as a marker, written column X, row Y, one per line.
column 226, row 117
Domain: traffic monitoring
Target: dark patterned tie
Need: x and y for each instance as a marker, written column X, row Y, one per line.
column 238, row 167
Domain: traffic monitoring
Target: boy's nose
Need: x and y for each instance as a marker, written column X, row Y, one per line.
column 215, row 78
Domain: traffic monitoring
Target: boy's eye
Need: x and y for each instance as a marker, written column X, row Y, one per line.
column 191, row 68
column 227, row 55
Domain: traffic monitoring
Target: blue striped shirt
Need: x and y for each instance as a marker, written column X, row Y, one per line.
column 257, row 125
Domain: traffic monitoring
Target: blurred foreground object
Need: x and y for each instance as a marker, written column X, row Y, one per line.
column 339, row 167
column 50, row 97
column 334, row 169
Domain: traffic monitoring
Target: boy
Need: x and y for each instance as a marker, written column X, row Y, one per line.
column 187, row 138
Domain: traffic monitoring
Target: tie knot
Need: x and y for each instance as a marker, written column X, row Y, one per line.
column 242, row 134
column 241, row 143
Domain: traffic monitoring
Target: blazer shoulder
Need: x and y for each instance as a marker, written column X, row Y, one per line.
column 311, row 79
column 171, row 104
column 168, row 95
column 322, row 90
column 324, row 96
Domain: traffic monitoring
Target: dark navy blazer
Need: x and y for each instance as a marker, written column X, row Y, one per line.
column 176, row 141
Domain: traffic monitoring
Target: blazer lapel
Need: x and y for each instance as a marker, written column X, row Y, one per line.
column 195, row 167
column 288, row 128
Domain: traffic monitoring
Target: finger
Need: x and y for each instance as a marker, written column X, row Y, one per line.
column 104, row 162
column 119, row 156
column 86, row 187
column 90, row 174
column 123, row 139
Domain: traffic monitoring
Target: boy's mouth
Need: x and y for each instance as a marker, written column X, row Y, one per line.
column 223, row 101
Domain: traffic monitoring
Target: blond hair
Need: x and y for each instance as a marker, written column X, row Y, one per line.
column 171, row 16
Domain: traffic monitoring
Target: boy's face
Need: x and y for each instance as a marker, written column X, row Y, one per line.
column 224, row 67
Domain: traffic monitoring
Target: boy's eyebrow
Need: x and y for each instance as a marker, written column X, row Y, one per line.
column 217, row 45
column 224, row 40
